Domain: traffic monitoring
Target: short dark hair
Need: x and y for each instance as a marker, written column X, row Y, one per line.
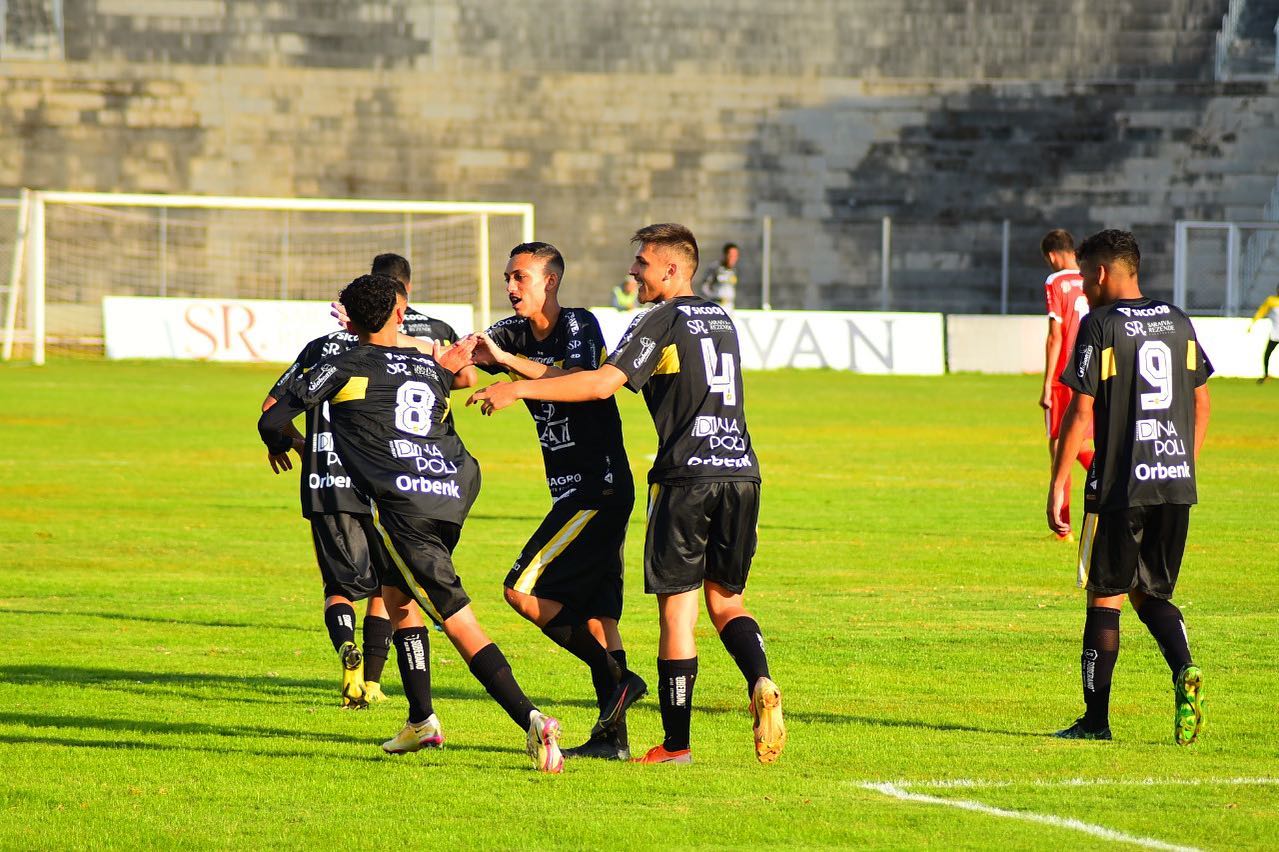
column 1058, row 239
column 394, row 266
column 547, row 253
column 369, row 301
column 1111, row 246
column 672, row 236
column 728, row 247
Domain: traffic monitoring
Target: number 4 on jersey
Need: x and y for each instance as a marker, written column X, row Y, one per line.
column 722, row 382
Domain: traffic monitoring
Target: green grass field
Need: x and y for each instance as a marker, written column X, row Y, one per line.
column 168, row 681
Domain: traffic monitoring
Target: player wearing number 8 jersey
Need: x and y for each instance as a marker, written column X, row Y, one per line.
column 703, row 487
column 1140, row 378
column 387, row 406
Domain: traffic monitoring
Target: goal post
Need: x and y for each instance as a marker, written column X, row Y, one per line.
column 80, row 247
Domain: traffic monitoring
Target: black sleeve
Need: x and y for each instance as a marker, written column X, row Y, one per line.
column 1197, row 359
column 1083, row 373
column 501, row 334
column 640, row 348
column 274, row 420
column 297, row 368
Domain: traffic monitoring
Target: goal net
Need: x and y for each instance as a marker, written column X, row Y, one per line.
column 78, row 248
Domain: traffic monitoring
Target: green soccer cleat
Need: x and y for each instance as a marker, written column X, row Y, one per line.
column 1189, row 720
column 412, row 737
column 354, row 696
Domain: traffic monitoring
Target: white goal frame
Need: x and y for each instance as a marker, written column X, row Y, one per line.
column 29, row 244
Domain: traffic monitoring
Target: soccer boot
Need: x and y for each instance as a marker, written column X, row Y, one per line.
column 425, row 734
column 606, row 745
column 353, row 694
column 1077, row 731
column 659, row 754
column 544, row 742
column 1190, row 705
column 373, row 693
column 629, row 690
column 766, row 712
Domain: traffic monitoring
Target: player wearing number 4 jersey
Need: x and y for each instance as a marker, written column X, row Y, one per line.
column 388, row 406
column 1141, row 379
column 704, row 485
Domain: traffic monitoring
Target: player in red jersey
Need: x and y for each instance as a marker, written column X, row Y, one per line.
column 1063, row 291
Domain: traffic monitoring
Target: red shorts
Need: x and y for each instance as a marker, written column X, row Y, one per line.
column 1061, row 396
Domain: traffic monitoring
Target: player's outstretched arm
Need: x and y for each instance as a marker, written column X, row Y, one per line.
column 489, row 353
column 582, row 386
column 1074, row 428
column 281, row 461
column 274, row 426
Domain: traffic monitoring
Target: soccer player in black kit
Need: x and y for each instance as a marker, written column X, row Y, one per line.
column 568, row 578
column 703, row 501
column 1141, row 379
column 387, row 405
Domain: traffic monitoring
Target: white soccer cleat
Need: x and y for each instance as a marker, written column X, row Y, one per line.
column 544, row 742
column 766, row 713
column 412, row 737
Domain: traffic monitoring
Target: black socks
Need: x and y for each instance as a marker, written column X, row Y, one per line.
column 675, row 680
column 745, row 644
column 340, row 621
column 413, row 652
column 492, row 670
column 1163, row 620
column 377, row 642
column 1097, row 664
column 571, row 634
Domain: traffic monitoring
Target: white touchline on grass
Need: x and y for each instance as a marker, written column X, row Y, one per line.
column 1027, row 816
column 982, row 784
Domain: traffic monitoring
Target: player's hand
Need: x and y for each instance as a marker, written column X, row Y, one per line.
column 1056, row 501
column 279, row 462
column 487, row 353
column 338, row 312
column 456, row 357
column 1046, row 398
column 495, row 397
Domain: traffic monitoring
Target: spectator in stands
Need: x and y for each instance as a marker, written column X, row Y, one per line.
column 720, row 283
column 1270, row 310
column 626, row 294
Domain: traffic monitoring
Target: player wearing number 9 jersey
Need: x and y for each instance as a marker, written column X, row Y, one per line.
column 704, row 485
column 1140, row 378
column 388, row 406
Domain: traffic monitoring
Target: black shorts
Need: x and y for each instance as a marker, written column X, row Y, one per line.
column 352, row 560
column 421, row 552
column 1138, row 548
column 699, row 532
column 575, row 558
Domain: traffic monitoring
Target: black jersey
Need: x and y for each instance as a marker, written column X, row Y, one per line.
column 388, row 407
column 419, row 325
column 684, row 354
column 326, row 487
column 1141, row 362
column 582, row 446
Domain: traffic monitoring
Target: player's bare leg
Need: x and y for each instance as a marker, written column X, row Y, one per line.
column 616, row 688
column 339, row 619
column 377, row 638
column 744, row 642
column 413, row 653
column 490, row 668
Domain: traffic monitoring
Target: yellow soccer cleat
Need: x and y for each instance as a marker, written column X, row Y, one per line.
column 373, row 693
column 412, row 737
column 353, row 692
column 770, row 729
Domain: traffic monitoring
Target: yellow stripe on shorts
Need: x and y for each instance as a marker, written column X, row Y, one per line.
column 652, row 500
column 1086, row 536
column 419, row 593
column 558, row 544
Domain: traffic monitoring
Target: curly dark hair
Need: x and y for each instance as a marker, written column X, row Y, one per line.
column 369, row 301
column 1111, row 246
